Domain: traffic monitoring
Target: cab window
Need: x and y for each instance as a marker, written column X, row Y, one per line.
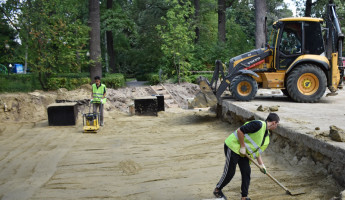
column 291, row 39
column 273, row 38
column 313, row 38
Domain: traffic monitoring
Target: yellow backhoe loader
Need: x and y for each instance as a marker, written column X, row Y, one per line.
column 302, row 60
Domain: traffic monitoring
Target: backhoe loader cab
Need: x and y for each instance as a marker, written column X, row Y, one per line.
column 301, row 61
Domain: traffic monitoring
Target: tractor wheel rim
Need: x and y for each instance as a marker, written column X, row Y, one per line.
column 244, row 88
column 308, row 84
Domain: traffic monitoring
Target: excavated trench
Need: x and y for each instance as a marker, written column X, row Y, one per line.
column 176, row 155
column 295, row 165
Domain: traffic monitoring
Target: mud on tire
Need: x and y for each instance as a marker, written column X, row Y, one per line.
column 306, row 83
column 243, row 88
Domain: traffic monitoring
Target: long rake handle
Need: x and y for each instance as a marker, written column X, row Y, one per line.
column 269, row 175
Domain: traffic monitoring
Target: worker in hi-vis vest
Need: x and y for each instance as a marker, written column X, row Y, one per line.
column 98, row 97
column 251, row 139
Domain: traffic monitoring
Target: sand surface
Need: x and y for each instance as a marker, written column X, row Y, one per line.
column 176, row 155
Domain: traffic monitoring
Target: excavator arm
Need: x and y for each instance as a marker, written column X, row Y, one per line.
column 241, row 65
column 211, row 93
column 334, row 47
column 336, row 37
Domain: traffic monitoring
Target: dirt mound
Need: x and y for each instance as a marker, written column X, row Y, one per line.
column 123, row 97
column 182, row 92
column 31, row 107
column 25, row 106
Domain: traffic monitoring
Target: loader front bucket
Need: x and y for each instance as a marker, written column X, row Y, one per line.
column 205, row 98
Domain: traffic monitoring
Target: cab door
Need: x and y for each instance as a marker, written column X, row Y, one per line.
column 290, row 44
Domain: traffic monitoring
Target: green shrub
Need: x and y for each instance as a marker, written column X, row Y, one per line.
column 72, row 75
column 56, row 83
column 114, row 80
column 192, row 78
column 72, row 81
column 68, row 83
column 76, row 82
column 153, row 79
column 141, row 77
column 19, row 83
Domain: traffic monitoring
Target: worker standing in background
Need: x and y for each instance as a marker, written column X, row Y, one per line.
column 251, row 138
column 98, row 97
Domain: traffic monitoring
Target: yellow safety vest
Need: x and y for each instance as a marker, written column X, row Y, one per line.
column 98, row 93
column 251, row 141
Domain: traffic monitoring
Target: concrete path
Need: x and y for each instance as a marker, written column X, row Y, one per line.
column 304, row 117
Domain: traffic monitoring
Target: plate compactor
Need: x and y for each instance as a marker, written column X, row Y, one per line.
column 90, row 121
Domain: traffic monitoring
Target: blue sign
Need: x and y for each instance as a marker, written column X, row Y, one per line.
column 18, row 68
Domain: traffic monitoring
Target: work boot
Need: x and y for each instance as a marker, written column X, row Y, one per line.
column 218, row 193
column 247, row 198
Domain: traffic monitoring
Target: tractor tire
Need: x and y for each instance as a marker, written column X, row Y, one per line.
column 306, row 84
column 243, row 88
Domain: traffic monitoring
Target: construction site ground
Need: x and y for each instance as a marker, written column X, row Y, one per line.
column 175, row 155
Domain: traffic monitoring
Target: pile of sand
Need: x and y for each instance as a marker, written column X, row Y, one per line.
column 31, row 107
column 25, row 106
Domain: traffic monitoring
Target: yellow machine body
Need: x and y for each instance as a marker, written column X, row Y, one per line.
column 91, row 123
column 301, row 60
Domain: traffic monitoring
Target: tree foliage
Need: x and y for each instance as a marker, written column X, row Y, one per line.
column 148, row 35
column 53, row 33
column 8, row 44
column 123, row 28
column 178, row 35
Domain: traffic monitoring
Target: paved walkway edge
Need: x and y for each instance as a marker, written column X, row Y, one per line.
column 336, row 154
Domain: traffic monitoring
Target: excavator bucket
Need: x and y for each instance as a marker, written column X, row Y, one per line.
column 205, row 98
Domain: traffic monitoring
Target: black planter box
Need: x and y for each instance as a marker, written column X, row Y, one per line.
column 62, row 114
column 149, row 105
column 160, row 103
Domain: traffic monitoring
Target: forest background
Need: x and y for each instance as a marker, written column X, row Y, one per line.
column 168, row 38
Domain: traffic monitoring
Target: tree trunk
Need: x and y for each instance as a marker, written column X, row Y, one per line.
column 95, row 39
column 110, row 43
column 106, row 54
column 260, row 14
column 308, row 5
column 27, row 28
column 26, row 58
column 197, row 10
column 221, row 20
